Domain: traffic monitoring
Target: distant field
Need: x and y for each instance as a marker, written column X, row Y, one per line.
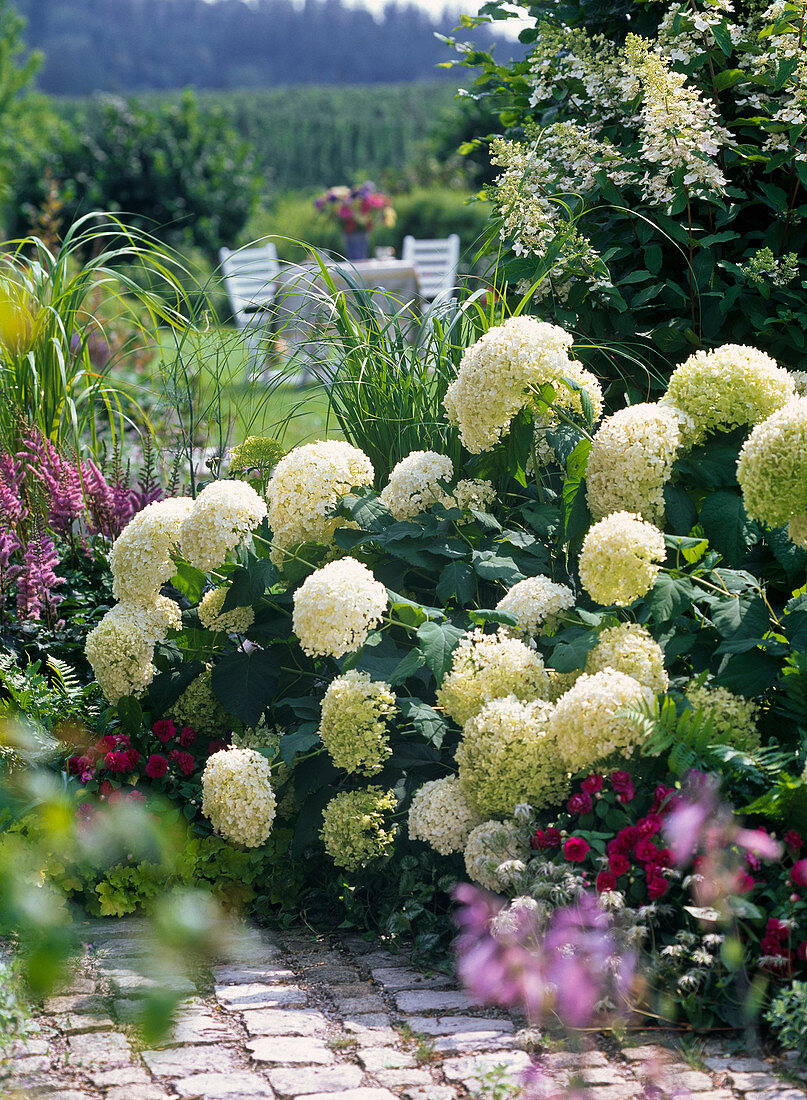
column 315, row 135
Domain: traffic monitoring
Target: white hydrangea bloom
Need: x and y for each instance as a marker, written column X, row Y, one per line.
column 120, row 648
column 222, row 517
column 631, row 460
column 726, row 388
column 537, row 603
column 618, row 559
column 336, row 607
column 772, row 467
column 353, row 725
column 235, row 621
column 307, row 485
column 507, row 755
column 629, row 648
column 442, row 816
column 502, row 372
column 471, row 493
column 489, row 666
column 797, row 530
column 490, row 846
column 237, row 796
column 414, row 484
column 586, row 723
column 799, row 379
column 734, row 718
column 142, row 557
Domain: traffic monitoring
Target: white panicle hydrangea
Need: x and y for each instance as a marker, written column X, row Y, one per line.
column 489, row 666
column 537, row 603
column 629, row 648
column 797, row 530
column 442, row 816
column 237, row 796
column 121, row 647
column 500, row 374
column 414, row 484
column 353, row 726
column 631, row 460
column 491, row 845
column 307, row 485
column 772, row 468
column 680, row 131
column 222, row 517
column 336, row 607
column 234, row 621
column 726, row 388
column 142, row 558
column 586, row 722
column 508, row 756
column 734, row 718
column 618, row 559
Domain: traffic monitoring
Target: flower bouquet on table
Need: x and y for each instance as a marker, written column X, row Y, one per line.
column 356, row 211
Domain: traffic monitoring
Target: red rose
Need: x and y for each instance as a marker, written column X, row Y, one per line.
column 776, row 928
column 579, row 803
column 650, row 825
column 605, row 882
column 660, row 803
column 164, row 730
column 619, row 864
column 215, row 746
column 184, row 761
column 592, row 784
column 798, row 876
column 74, row 765
column 538, row 840
column 187, row 736
column 794, row 840
column 622, row 785
column 664, row 857
column 744, row 883
column 156, row 766
column 123, row 741
column 628, row 837
column 657, row 886
column 553, row 838
column 132, row 759
column 576, row 849
column 646, row 852
column 106, row 744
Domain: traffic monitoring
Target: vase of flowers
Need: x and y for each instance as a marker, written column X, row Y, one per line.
column 356, row 210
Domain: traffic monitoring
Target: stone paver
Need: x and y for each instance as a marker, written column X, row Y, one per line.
column 295, row 1016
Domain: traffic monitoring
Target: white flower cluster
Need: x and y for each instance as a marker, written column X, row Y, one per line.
column 772, row 468
column 305, row 488
column 237, row 796
column 222, row 517
column 491, row 846
column 631, row 460
column 142, row 557
column 618, row 559
column 442, row 816
column 537, row 604
column 471, row 493
column 336, row 607
column 680, row 132
column 586, row 723
column 502, row 373
column 121, row 647
column 485, row 667
column 415, row 483
column 733, row 717
column 353, row 827
column 353, row 724
column 508, row 756
column 211, row 616
column 726, row 388
column 629, row 648
column 797, row 530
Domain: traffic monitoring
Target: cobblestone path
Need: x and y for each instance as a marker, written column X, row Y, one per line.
column 297, row 1015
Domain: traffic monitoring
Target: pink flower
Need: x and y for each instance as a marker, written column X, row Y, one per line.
column 657, row 886
column 605, row 882
column 798, row 876
column 156, row 766
column 576, row 849
column 579, row 803
column 187, row 736
column 164, row 730
column 592, row 784
column 794, row 840
column 619, row 864
column 760, row 842
column 622, row 785
column 184, row 761
column 744, row 883
column 650, row 825
column 646, row 852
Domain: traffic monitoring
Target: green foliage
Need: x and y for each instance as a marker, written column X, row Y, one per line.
column 787, row 1016
column 177, row 171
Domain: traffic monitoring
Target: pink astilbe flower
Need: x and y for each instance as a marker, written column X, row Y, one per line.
column 12, row 505
column 58, row 478
column 102, row 502
column 37, row 579
column 8, row 544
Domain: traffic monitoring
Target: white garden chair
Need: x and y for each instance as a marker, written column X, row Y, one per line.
column 435, row 261
column 251, row 277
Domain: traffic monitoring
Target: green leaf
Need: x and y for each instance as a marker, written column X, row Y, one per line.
column 727, row 78
column 250, row 582
column 722, row 36
column 787, row 68
column 543, row 518
column 190, row 581
column 166, row 688
column 668, row 598
column 131, row 715
column 428, row 722
column 569, row 656
column 713, row 465
column 407, row 667
column 413, row 754
column 437, row 642
column 485, row 520
column 245, row 684
column 749, row 674
column 480, row 616
column 741, row 621
column 456, row 582
column 495, row 567
column 293, row 743
column 795, row 627
column 681, row 512
column 726, row 525
column 368, row 511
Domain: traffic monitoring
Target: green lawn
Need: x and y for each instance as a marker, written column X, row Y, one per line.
column 214, row 370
